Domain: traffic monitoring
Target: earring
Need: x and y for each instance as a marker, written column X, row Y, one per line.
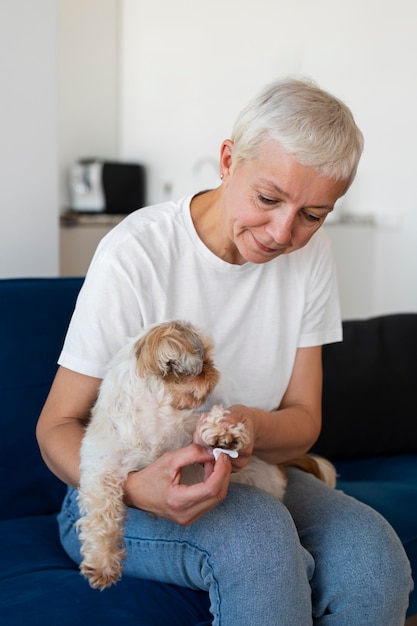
column 221, row 176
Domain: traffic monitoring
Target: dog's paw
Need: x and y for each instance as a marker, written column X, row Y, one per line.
column 215, row 432
column 228, row 437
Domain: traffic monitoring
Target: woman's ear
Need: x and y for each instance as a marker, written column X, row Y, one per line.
column 226, row 158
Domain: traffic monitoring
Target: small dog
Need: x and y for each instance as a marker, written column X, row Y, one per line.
column 147, row 406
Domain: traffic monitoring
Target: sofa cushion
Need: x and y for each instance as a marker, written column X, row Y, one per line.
column 389, row 485
column 34, row 316
column 41, row 586
column 368, row 406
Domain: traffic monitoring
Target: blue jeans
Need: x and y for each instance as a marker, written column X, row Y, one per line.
column 320, row 558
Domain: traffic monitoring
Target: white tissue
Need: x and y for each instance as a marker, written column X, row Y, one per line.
column 218, row 451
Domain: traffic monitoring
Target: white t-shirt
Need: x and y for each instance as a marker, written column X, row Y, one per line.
column 153, row 267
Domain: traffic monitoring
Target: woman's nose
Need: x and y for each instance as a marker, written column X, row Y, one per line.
column 281, row 227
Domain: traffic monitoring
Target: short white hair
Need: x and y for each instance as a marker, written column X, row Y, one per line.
column 315, row 127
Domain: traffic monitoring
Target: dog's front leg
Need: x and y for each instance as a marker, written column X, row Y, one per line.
column 101, row 529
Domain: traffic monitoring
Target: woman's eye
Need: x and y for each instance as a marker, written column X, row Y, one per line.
column 311, row 217
column 266, row 200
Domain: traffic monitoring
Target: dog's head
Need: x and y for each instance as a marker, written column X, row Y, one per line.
column 182, row 357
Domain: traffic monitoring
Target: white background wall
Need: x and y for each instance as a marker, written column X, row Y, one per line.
column 28, row 148
column 59, row 101
column 88, row 84
column 161, row 83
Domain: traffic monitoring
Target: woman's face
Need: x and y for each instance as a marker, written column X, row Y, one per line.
column 272, row 204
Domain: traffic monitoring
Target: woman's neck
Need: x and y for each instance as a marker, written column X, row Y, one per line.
column 208, row 219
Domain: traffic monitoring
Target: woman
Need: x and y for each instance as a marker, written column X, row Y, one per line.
column 248, row 262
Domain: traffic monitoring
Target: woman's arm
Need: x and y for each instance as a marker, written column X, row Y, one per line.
column 292, row 429
column 61, row 424
column 157, row 488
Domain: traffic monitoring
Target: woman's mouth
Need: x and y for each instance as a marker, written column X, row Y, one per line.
column 267, row 249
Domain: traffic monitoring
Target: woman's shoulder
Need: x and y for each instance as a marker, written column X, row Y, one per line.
column 160, row 214
column 143, row 226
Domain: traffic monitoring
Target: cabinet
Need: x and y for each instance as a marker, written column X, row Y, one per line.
column 79, row 238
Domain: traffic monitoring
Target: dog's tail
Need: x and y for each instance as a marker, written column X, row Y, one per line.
column 318, row 466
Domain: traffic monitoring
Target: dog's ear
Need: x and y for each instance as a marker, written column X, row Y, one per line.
column 171, row 348
column 190, row 392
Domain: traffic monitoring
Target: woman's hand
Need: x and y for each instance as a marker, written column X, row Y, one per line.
column 157, row 488
column 212, row 426
column 241, row 414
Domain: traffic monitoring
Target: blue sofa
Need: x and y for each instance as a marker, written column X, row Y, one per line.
column 369, row 431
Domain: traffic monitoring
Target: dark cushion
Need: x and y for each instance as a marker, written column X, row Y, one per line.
column 389, row 485
column 34, row 315
column 369, row 407
column 41, row 586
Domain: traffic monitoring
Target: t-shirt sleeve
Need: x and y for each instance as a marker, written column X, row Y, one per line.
column 321, row 322
column 107, row 313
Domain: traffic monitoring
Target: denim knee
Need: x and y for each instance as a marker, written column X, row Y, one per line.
column 369, row 560
column 253, row 527
column 253, row 551
column 245, row 548
column 362, row 571
column 362, row 574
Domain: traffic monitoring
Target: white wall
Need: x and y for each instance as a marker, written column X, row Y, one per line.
column 88, row 84
column 189, row 66
column 59, row 68
column 28, row 151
